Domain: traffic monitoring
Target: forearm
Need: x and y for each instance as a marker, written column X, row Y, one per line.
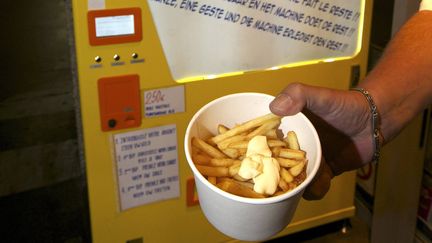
column 401, row 83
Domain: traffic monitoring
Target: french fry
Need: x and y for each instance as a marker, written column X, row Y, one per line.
column 296, row 170
column 301, row 177
column 222, row 129
column 244, row 127
column 292, row 185
column 207, row 148
column 239, row 145
column 201, row 159
column 195, row 149
column 246, row 183
column 286, row 176
column 242, row 151
column 292, row 141
column 232, row 153
column 292, row 154
column 276, row 151
column 233, row 169
column 283, row 185
column 264, row 128
column 212, row 171
column 220, row 179
column 275, row 143
column 225, row 143
column 212, row 180
column 210, row 142
column 238, row 189
column 238, row 178
column 223, row 162
column 287, row 163
column 271, row 134
column 242, row 181
column 277, row 193
column 233, row 172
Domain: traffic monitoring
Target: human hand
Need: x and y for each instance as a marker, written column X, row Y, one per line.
column 342, row 120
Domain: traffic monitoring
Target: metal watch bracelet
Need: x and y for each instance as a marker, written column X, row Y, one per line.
column 375, row 120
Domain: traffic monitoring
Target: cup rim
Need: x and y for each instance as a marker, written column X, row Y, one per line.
column 268, row 200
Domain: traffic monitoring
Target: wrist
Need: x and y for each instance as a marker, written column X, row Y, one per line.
column 375, row 124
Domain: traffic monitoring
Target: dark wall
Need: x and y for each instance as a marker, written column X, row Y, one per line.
column 382, row 20
column 42, row 182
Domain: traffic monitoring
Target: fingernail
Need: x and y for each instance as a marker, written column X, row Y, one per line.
column 281, row 102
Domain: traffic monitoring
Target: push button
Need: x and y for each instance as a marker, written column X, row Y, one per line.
column 112, row 123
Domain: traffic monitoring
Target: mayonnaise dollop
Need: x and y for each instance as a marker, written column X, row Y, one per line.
column 260, row 166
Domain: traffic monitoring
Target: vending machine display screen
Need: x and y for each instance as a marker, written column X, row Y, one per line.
column 115, row 25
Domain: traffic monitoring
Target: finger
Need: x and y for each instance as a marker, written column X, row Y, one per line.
column 286, row 103
column 320, row 185
column 295, row 97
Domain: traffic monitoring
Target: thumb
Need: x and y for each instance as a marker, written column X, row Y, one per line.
column 296, row 96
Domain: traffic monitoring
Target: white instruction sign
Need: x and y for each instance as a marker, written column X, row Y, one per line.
column 214, row 37
column 159, row 102
column 147, row 166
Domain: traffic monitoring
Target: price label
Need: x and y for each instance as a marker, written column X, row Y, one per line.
column 154, row 97
column 160, row 102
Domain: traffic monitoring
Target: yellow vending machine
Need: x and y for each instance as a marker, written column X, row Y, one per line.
column 144, row 69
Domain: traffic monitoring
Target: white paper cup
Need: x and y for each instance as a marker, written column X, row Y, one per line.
column 243, row 218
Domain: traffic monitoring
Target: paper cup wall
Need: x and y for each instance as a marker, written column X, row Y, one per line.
column 239, row 217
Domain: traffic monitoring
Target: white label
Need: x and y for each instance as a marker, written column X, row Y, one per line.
column 159, row 102
column 147, row 166
column 215, row 37
column 115, row 25
column 95, row 4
